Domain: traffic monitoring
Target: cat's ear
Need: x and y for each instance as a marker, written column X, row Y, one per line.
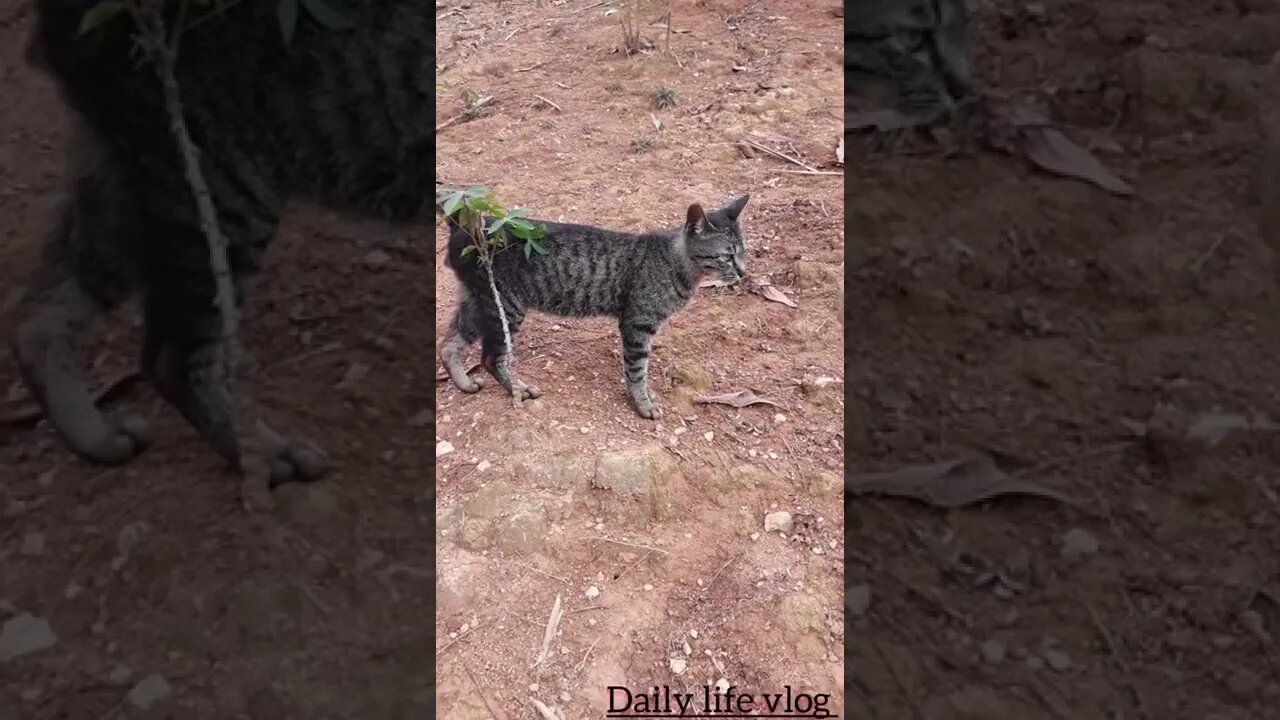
column 734, row 208
column 695, row 222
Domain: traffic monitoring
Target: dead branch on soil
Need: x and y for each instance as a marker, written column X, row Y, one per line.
column 543, row 710
column 1114, row 648
column 534, row 66
column 783, row 156
column 632, row 565
column 626, row 544
column 557, row 107
column 587, row 654
column 484, row 696
column 469, row 113
column 589, row 607
column 553, row 622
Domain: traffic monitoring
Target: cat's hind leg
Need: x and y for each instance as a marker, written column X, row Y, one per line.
column 464, row 330
column 495, row 355
column 88, row 267
column 184, row 352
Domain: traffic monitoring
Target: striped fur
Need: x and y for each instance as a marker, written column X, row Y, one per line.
column 343, row 119
column 642, row 280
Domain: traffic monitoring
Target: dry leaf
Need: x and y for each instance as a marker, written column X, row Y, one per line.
column 1054, row 152
column 951, row 484
column 739, row 399
column 768, row 291
column 1212, row 428
column 657, row 124
column 840, row 151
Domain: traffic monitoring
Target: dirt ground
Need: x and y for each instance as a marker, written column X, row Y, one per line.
column 652, row 534
column 1045, row 321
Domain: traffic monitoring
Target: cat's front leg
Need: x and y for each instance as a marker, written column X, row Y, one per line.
column 637, row 341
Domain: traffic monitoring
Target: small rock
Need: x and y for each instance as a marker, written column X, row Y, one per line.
column 780, row 521
column 483, row 465
column 24, row 634
column 32, row 544
column 1244, row 684
column 593, row 592
column 444, row 447
column 678, row 665
column 708, row 436
column 687, row 650
column 152, row 689
column 993, row 651
column 307, row 503
column 857, row 599
column 693, row 634
column 648, row 587
column 779, row 418
column 1058, row 660
column 377, row 259
column 1078, row 543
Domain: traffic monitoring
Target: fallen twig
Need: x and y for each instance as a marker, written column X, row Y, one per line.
column 625, row 543
column 543, row 710
column 1114, row 649
column 553, row 622
column 467, row 114
column 557, row 107
column 781, row 155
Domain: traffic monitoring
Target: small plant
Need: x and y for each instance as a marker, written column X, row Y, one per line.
column 642, row 145
column 664, row 98
column 473, row 208
column 613, row 87
column 540, row 104
column 630, row 19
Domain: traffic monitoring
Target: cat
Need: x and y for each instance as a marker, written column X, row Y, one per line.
column 919, row 47
column 642, row 280
column 342, row 118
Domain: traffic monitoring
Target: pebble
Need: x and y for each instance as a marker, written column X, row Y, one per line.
column 33, row 544
column 1077, row 543
column 377, row 259
column 993, row 652
column 1057, row 659
column 693, row 634
column 678, row 665
column 780, row 521
column 444, row 447
column 25, row 634
column 484, row 465
column 708, row 436
column 779, row 418
column 593, row 592
column 857, row 599
column 648, row 587
column 150, row 690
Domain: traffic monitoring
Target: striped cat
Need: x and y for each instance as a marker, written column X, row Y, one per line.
column 341, row 118
column 642, row 280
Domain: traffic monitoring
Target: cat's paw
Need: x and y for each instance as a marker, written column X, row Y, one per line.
column 470, row 385
column 525, row 391
column 649, row 411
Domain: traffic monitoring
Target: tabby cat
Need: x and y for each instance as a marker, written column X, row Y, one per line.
column 642, row 280
column 342, row 118
column 919, row 47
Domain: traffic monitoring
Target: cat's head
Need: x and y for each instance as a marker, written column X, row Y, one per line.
column 714, row 242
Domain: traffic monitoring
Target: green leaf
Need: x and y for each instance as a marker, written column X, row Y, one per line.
column 518, row 213
column 479, row 204
column 528, row 250
column 477, row 190
column 497, row 224
column 329, row 14
column 99, row 15
column 453, row 203
column 470, row 250
column 531, row 243
column 287, row 13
